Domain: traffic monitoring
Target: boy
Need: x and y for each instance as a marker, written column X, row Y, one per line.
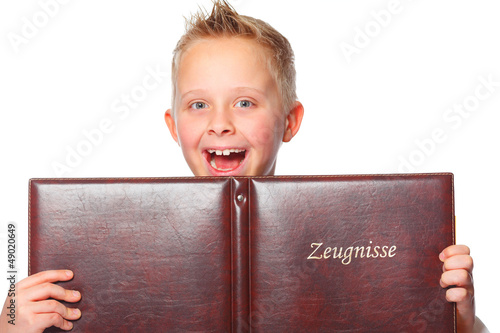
column 233, row 104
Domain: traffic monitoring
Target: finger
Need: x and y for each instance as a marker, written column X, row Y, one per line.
column 53, row 306
column 45, row 276
column 45, row 320
column 465, row 307
column 457, row 277
column 461, row 261
column 49, row 290
column 454, row 250
column 458, row 295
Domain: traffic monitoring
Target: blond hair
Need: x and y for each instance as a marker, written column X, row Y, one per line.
column 224, row 21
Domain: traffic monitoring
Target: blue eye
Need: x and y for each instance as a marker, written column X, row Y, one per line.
column 198, row 105
column 244, row 104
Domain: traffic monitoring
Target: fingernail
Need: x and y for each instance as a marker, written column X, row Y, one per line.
column 441, row 256
column 76, row 312
column 76, row 293
column 69, row 273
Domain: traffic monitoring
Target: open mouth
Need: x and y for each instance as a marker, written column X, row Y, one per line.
column 225, row 160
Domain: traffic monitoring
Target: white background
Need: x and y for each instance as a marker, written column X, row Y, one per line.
column 365, row 113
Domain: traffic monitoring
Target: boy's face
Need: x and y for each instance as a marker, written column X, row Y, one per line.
column 229, row 118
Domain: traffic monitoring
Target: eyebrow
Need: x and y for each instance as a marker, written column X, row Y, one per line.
column 236, row 89
column 242, row 89
column 192, row 92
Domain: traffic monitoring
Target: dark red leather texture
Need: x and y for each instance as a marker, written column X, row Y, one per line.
column 260, row 254
column 148, row 255
column 371, row 294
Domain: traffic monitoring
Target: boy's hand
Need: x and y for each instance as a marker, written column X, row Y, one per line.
column 34, row 310
column 457, row 275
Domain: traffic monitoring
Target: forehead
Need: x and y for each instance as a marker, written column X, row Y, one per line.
column 216, row 62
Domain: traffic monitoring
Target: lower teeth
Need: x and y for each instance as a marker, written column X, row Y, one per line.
column 212, row 163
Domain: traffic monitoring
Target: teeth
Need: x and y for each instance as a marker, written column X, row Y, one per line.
column 212, row 163
column 225, row 152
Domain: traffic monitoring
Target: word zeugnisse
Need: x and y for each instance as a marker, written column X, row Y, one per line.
column 326, row 252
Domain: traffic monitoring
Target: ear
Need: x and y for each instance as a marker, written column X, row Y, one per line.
column 293, row 121
column 169, row 119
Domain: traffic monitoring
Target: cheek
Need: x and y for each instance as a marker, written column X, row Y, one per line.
column 187, row 134
column 266, row 132
column 265, row 136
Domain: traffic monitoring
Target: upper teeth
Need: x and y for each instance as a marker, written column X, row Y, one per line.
column 225, row 151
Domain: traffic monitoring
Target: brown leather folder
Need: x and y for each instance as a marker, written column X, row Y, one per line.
column 261, row 254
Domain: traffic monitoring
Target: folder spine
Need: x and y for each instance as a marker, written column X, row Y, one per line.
column 240, row 255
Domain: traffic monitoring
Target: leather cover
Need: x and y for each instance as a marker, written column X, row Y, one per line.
column 260, row 254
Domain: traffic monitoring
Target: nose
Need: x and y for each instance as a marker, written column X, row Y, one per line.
column 221, row 123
